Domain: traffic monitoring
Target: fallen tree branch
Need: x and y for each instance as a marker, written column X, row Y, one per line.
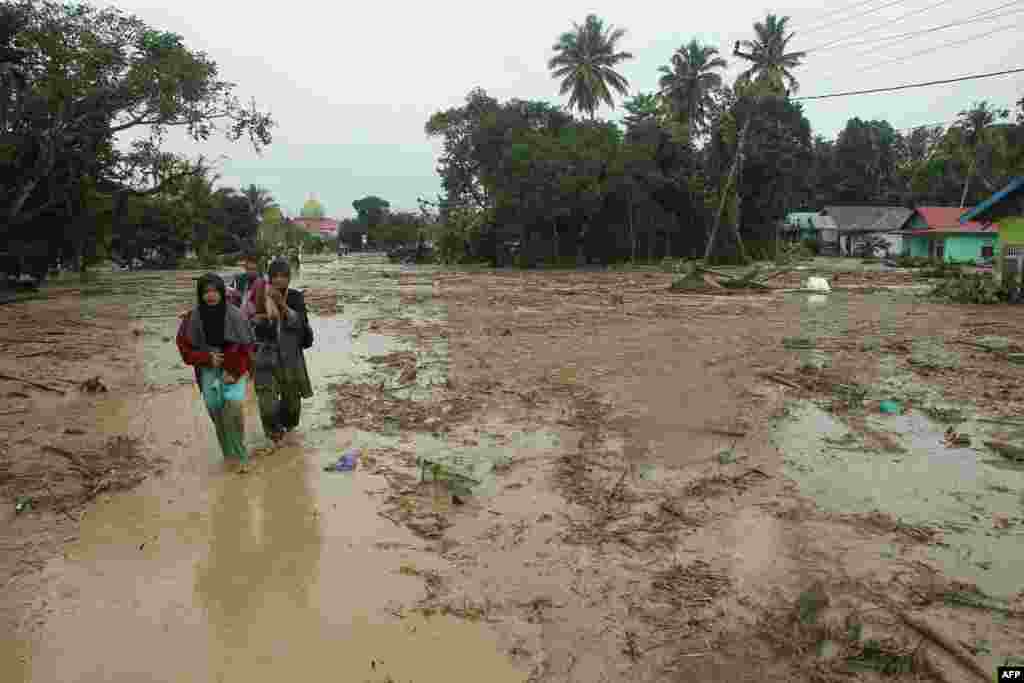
column 947, row 644
column 30, row 383
column 781, row 380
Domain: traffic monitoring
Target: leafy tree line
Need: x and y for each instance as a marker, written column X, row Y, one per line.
column 699, row 167
column 74, row 81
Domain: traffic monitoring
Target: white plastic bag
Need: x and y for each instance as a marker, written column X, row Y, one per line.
column 817, row 284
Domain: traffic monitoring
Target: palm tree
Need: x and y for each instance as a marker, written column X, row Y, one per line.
column 585, row 60
column 642, row 108
column 973, row 125
column 688, row 82
column 770, row 75
column 259, row 200
column 770, row 65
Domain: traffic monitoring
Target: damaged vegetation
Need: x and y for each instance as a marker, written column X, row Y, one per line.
column 119, row 464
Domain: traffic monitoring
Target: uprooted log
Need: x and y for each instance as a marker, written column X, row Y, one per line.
column 699, row 277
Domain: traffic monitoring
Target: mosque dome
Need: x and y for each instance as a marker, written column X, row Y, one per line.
column 312, row 209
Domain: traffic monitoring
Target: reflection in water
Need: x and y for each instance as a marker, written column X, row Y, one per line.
column 264, row 554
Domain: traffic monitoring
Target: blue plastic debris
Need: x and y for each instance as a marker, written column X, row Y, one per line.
column 346, row 463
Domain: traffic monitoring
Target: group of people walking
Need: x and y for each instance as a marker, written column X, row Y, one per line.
column 257, row 327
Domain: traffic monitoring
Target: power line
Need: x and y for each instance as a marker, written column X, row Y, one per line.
column 844, row 9
column 936, row 48
column 909, row 85
column 972, row 19
column 889, row 22
column 857, row 16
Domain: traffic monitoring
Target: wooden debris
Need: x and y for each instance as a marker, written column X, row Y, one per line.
column 30, row 383
column 946, row 643
column 1007, row 450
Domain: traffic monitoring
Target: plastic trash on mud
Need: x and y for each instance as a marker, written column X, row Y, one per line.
column 346, row 463
column 817, row 284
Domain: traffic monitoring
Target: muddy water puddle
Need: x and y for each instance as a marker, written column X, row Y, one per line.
column 288, row 572
column 971, row 494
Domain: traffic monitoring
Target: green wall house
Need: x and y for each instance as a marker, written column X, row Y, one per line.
column 800, row 225
column 936, row 232
column 1005, row 211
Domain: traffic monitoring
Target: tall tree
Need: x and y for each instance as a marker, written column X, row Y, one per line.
column 974, row 125
column 585, row 61
column 73, row 77
column 770, row 74
column 642, row 108
column 688, row 82
column 371, row 210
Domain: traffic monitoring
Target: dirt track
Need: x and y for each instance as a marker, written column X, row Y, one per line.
column 640, row 527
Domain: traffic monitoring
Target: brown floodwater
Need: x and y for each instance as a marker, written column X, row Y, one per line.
column 204, row 575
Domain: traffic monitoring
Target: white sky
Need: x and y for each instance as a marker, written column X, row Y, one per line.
column 352, row 85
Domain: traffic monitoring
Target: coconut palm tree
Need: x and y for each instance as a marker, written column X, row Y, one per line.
column 585, row 60
column 259, row 200
column 771, row 67
column 688, row 82
column 974, row 125
column 770, row 75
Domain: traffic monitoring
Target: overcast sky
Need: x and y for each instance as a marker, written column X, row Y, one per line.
column 352, row 85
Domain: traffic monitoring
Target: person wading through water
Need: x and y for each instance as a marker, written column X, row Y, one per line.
column 282, row 331
column 241, row 283
column 216, row 340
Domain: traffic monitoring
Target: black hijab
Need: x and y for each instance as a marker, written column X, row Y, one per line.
column 213, row 316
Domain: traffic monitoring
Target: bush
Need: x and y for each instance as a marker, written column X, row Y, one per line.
column 189, row 264
column 972, row 288
column 813, row 246
column 943, row 269
column 905, row 261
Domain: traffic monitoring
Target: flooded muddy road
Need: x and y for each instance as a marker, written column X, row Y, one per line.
column 563, row 477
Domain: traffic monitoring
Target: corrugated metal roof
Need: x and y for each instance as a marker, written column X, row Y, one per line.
column 980, row 210
column 947, row 219
column 868, row 218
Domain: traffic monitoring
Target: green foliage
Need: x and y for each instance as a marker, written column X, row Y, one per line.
column 971, row 288
column 904, row 261
column 77, row 77
column 585, row 60
column 371, row 211
column 813, row 246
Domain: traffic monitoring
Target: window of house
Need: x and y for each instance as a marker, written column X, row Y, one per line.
column 987, row 251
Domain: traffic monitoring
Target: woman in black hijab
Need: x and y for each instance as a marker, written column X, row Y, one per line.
column 216, row 340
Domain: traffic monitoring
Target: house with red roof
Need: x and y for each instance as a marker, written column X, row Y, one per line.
column 936, row 232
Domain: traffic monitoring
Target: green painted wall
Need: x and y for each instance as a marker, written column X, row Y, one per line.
column 967, row 247
column 1011, row 230
column 916, row 246
column 957, row 247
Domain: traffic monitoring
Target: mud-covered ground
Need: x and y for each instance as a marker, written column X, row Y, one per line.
column 615, row 488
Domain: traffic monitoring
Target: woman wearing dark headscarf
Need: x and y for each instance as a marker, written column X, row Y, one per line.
column 217, row 341
column 282, row 332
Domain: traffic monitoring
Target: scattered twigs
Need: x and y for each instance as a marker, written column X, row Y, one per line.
column 30, row 383
column 1007, row 450
column 946, row 643
column 781, row 380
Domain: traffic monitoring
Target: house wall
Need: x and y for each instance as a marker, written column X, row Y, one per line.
column 916, row 246
column 1011, row 234
column 957, row 247
column 967, row 247
column 1011, row 230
